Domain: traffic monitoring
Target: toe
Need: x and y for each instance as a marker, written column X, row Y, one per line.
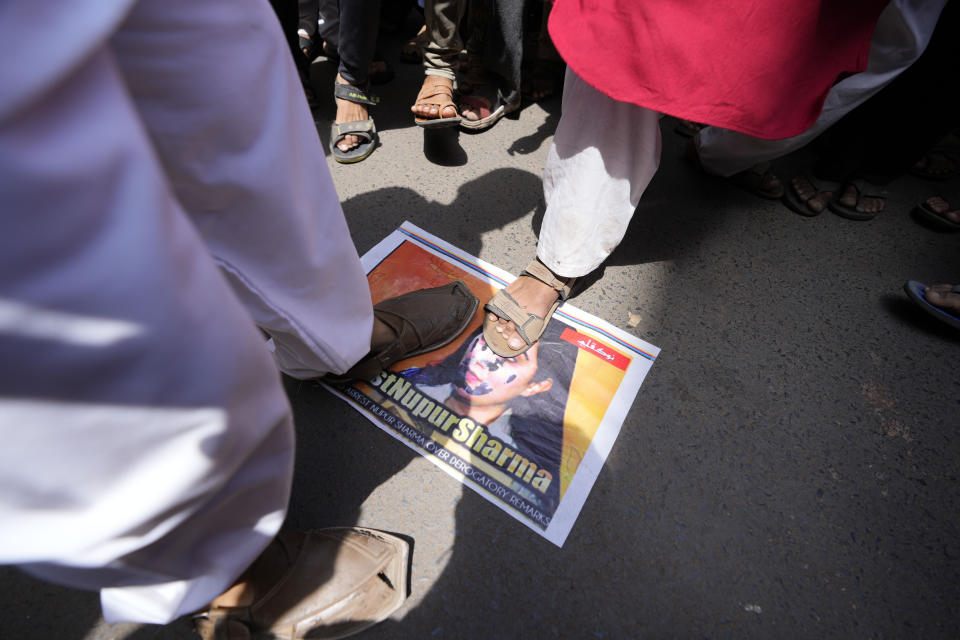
column 849, row 196
column 802, row 188
column 938, row 204
column 348, row 142
column 817, row 202
column 870, row 205
column 938, row 290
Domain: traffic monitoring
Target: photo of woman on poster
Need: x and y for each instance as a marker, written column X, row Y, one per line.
column 520, row 400
column 529, row 434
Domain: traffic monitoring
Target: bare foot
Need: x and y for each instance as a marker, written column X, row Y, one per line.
column 864, row 204
column 435, row 99
column 943, row 296
column 349, row 112
column 534, row 297
column 816, row 200
column 942, row 208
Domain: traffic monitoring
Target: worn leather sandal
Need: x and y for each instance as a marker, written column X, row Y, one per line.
column 363, row 129
column 422, row 321
column 335, row 583
column 527, row 325
column 437, row 90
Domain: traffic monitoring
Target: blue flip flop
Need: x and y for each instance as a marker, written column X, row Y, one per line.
column 916, row 290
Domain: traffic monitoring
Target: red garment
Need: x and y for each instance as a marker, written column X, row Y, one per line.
column 762, row 67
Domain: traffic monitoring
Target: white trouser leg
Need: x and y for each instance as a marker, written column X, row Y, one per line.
column 244, row 159
column 603, row 156
column 147, row 441
column 901, row 36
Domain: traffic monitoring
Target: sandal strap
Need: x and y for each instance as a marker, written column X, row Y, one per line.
column 538, row 270
column 867, row 189
column 505, row 306
column 352, row 93
column 363, row 128
column 819, row 185
column 436, row 86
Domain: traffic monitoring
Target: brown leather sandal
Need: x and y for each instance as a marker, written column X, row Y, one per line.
column 438, row 91
column 327, row 583
column 528, row 326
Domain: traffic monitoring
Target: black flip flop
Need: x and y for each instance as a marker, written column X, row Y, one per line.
column 864, row 190
column 926, row 214
column 795, row 204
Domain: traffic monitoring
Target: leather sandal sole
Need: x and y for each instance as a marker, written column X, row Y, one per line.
column 437, row 123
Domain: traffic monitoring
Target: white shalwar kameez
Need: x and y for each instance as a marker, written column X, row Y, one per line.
column 163, row 192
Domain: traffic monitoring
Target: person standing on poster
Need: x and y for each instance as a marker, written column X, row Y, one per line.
column 165, row 200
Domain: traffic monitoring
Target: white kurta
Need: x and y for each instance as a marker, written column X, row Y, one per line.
column 163, row 189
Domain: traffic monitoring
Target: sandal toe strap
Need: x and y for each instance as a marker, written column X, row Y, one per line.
column 362, row 128
column 436, row 86
column 867, row 189
column 438, row 97
column 506, row 307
